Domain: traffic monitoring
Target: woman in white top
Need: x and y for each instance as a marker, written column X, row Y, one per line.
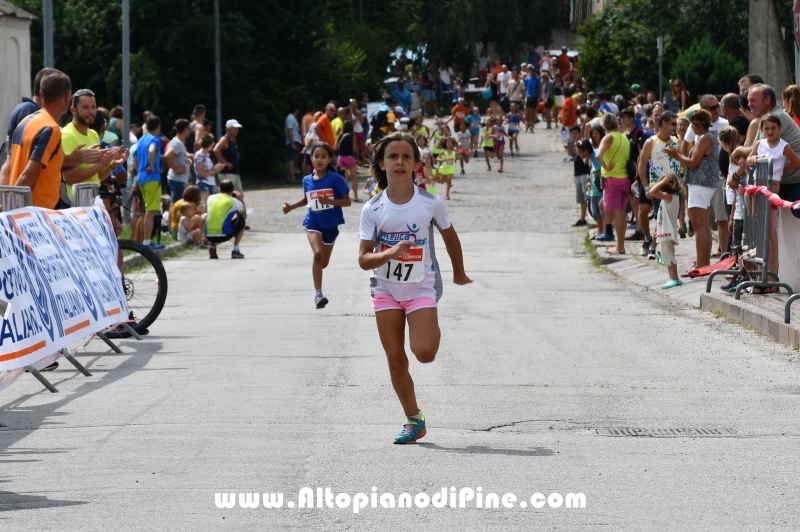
column 396, row 233
column 205, row 169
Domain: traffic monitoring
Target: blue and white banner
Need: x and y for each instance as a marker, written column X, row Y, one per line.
column 59, row 281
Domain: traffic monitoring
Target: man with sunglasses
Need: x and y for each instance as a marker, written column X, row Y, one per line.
column 79, row 132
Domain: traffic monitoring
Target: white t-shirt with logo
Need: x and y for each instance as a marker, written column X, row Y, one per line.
column 387, row 224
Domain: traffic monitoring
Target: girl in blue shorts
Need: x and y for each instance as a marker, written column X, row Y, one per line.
column 396, row 233
column 325, row 193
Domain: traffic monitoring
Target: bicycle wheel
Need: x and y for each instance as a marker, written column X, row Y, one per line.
column 145, row 282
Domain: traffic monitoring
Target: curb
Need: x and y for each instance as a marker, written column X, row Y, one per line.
column 135, row 260
column 763, row 317
column 752, row 316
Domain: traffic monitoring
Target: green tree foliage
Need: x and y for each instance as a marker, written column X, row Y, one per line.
column 620, row 47
column 274, row 53
column 705, row 68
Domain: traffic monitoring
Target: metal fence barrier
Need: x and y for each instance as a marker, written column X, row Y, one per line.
column 83, row 194
column 12, row 198
column 754, row 252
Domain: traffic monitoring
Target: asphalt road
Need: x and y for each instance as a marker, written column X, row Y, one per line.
column 243, row 387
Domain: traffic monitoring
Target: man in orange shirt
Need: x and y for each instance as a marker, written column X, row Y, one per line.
column 564, row 62
column 324, row 129
column 36, row 154
column 308, row 119
column 569, row 118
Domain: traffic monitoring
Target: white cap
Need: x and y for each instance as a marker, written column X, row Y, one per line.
column 398, row 109
column 232, row 123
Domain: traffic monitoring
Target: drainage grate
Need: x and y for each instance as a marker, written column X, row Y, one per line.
column 666, row 433
column 361, row 315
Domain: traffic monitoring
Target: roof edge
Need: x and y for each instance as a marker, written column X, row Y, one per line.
column 10, row 10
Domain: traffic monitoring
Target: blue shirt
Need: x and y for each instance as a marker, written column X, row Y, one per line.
column 474, row 124
column 326, row 217
column 143, row 159
column 403, row 98
column 532, row 85
column 23, row 109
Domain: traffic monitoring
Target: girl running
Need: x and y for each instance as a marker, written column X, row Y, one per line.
column 499, row 142
column 474, row 122
column 396, row 233
column 514, row 119
column 488, row 141
column 419, row 128
column 447, row 164
column 464, row 145
column 326, row 193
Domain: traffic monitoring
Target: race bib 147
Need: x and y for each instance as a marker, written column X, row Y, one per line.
column 407, row 268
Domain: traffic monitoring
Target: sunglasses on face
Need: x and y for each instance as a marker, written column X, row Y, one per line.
column 712, row 108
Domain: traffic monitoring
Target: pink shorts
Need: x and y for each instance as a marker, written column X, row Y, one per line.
column 347, row 161
column 360, row 137
column 385, row 302
column 615, row 193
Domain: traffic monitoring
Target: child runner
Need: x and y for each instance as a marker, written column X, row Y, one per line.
column 499, row 141
column 464, row 144
column 474, row 123
column 396, row 233
column 369, row 187
column 419, row 128
column 514, row 120
column 326, row 193
column 667, row 191
column 488, row 141
column 447, row 164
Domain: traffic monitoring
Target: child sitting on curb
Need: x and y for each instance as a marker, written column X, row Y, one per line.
column 190, row 226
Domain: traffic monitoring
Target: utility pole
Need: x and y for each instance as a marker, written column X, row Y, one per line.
column 126, row 74
column 49, row 58
column 217, row 69
column 660, row 44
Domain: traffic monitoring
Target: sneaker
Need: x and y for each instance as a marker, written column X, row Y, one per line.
column 637, row 235
column 579, row 223
column 236, row 254
column 651, row 254
column 645, row 248
column 155, row 247
column 212, row 252
column 605, row 237
column 319, row 300
column 690, row 232
column 730, row 284
column 672, row 283
column 413, row 429
column 682, row 231
column 632, row 226
column 447, row 197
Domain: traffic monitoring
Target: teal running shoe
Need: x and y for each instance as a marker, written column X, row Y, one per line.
column 413, row 429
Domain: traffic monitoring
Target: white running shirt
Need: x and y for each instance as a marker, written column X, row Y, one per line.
column 386, row 224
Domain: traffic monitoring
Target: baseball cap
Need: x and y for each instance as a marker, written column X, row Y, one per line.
column 398, row 109
column 635, row 87
column 232, row 123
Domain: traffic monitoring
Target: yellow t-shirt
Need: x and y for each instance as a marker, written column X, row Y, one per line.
column 71, row 138
column 338, row 126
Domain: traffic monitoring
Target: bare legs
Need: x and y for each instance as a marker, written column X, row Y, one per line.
column 424, row 333
column 702, row 235
column 322, row 255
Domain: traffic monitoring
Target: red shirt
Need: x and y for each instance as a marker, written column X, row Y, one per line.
column 563, row 64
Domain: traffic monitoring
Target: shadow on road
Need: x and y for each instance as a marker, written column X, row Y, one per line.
column 16, row 501
column 482, row 449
